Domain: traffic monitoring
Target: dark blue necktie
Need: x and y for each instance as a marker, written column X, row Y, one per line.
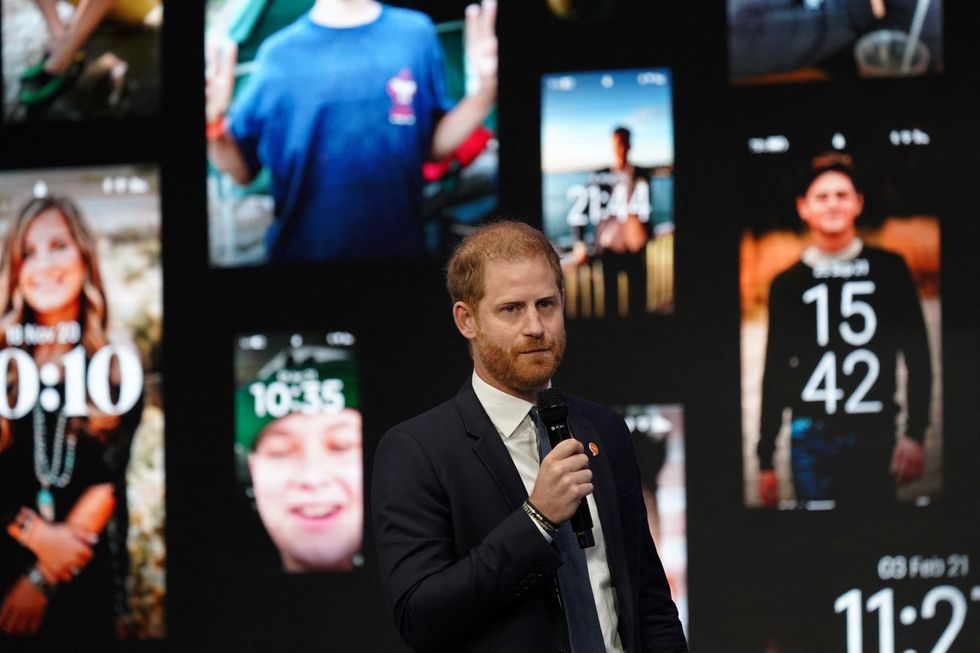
column 584, row 632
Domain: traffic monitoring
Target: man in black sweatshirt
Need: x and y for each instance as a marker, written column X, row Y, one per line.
column 838, row 320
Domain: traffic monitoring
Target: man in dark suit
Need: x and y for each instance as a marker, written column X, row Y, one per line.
column 468, row 523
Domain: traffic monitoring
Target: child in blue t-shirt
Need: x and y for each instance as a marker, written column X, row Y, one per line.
column 343, row 108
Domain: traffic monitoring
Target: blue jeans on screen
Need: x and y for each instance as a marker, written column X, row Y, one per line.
column 839, row 464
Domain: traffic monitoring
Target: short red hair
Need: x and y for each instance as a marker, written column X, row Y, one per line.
column 507, row 240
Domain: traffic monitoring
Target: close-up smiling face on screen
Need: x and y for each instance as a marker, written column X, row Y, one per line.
column 299, row 447
column 308, row 483
column 52, row 270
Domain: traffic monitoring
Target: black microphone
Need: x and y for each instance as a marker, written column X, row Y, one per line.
column 554, row 413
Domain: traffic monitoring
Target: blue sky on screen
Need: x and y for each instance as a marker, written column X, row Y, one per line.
column 579, row 111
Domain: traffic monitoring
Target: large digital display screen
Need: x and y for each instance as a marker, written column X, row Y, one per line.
column 780, row 41
column 318, row 153
column 607, row 164
column 298, row 444
column 855, row 523
column 81, row 408
column 80, row 60
column 841, row 337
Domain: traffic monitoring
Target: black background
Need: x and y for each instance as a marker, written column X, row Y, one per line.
column 754, row 576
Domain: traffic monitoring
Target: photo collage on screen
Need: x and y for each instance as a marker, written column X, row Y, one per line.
column 841, row 337
column 607, row 159
column 81, row 419
column 792, row 366
column 317, row 153
column 298, row 446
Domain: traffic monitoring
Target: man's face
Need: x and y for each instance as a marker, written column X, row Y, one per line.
column 518, row 330
column 308, row 481
column 831, row 205
column 621, row 150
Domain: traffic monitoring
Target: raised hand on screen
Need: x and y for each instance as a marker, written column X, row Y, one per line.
column 219, row 77
column 480, row 37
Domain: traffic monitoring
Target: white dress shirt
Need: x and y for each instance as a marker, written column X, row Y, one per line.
column 510, row 415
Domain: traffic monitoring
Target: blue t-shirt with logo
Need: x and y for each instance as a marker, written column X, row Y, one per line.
column 343, row 118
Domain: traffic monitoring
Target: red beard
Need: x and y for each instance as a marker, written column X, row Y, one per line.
column 525, row 373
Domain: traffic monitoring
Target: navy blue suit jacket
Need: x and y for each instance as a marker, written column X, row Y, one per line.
column 465, row 569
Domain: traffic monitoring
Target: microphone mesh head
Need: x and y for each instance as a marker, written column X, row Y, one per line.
column 552, row 407
column 550, row 398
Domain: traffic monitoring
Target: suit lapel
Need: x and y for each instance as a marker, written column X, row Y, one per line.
column 607, row 501
column 489, row 447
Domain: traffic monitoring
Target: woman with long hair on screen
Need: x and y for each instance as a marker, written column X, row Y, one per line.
column 62, row 477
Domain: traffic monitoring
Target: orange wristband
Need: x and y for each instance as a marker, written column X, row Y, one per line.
column 216, row 129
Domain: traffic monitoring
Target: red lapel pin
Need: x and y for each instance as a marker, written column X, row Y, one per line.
column 594, row 448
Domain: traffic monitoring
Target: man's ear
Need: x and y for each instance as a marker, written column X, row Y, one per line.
column 465, row 318
column 800, row 206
